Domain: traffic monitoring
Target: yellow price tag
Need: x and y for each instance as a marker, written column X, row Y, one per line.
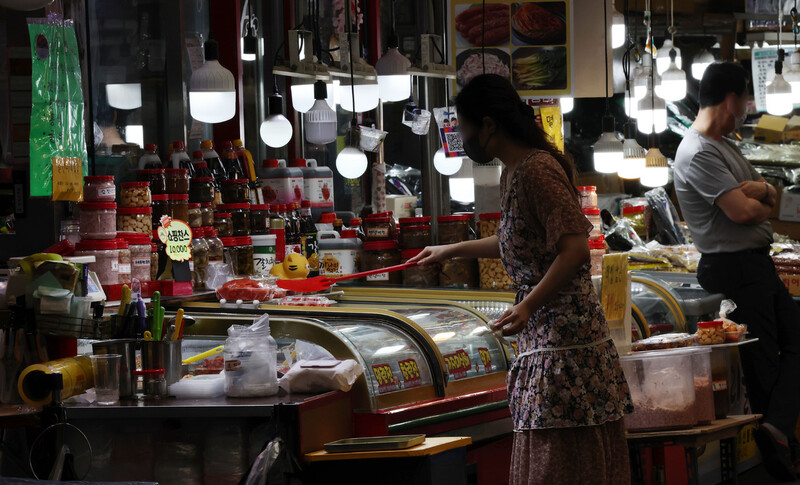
column 614, row 289
column 68, row 178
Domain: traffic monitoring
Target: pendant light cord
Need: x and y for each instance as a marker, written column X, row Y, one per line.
column 605, row 52
column 350, row 61
column 483, row 38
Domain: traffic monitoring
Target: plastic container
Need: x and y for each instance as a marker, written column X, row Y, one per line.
column 635, row 215
column 154, row 382
column 593, row 215
column 415, row 237
column 223, row 224
column 135, row 194
column 176, row 180
column 179, row 207
column 419, row 276
column 325, row 222
column 459, row 273
column 381, row 254
column 195, row 218
column 404, row 222
column 207, row 213
column 663, row 342
column 150, row 158
column 244, row 255
column 215, row 246
column 106, row 255
column 98, row 220
column 453, row 229
column 250, row 362
column 703, row 386
column 99, row 188
column 140, row 248
column 230, row 161
column 153, row 262
column 264, row 247
column 201, row 189
column 489, row 223
column 235, row 191
column 710, row 333
column 662, row 388
column 338, row 254
column 199, row 258
column 588, row 196
column 317, row 186
column 597, row 249
column 135, row 219
column 356, row 225
column 259, row 219
column 240, row 217
column 380, row 229
column 160, row 206
column 156, row 177
column 281, row 184
column 124, row 261
column 230, row 253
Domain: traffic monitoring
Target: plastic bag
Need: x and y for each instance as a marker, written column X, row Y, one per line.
column 726, row 307
column 203, row 386
column 250, row 360
column 667, row 223
column 313, row 376
column 264, row 462
column 622, row 237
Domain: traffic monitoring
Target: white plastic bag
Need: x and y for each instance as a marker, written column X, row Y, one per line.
column 250, row 360
column 312, row 376
column 199, row 387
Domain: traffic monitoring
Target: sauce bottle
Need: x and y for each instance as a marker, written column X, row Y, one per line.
column 230, row 161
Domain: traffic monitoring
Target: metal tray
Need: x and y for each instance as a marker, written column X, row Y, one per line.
column 375, row 443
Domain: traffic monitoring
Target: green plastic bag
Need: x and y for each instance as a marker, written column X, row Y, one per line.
column 57, row 143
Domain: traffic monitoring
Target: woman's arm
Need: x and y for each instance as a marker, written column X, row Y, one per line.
column 573, row 252
column 488, row 247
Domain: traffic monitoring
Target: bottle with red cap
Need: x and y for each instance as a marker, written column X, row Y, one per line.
column 180, row 159
column 213, row 161
column 230, row 161
column 200, row 165
column 281, row 184
column 150, row 158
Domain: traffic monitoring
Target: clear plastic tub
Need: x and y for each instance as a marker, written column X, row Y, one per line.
column 99, row 188
column 710, row 333
column 135, row 194
column 177, row 180
column 594, row 217
column 703, row 388
column 135, row 219
column 140, row 247
column 663, row 342
column 381, row 254
column 98, row 220
column 597, row 249
column 459, row 273
column 588, row 197
column 235, row 191
column 153, row 262
column 179, row 206
column 106, row 255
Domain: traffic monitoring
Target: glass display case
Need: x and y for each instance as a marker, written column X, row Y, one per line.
column 696, row 303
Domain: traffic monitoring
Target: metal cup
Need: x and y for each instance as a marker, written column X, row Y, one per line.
column 127, row 349
column 166, row 354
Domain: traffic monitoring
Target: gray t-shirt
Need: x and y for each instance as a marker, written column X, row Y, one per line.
column 704, row 170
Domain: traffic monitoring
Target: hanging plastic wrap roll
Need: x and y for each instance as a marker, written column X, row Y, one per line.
column 76, row 372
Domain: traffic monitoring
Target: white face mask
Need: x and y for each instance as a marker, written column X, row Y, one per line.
column 738, row 122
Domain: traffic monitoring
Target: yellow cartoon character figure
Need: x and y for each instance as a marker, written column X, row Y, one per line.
column 294, row 267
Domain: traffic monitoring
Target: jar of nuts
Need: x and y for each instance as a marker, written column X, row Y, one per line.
column 493, row 274
column 195, row 216
column 490, row 223
column 710, row 333
column 135, row 219
column 124, row 267
column 134, row 194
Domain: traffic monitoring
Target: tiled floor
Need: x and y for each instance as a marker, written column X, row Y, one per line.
column 758, row 476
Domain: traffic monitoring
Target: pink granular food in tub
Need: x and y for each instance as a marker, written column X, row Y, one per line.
column 98, row 220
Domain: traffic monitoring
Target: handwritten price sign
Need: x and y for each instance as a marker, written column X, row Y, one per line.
column 458, row 364
column 387, row 382
column 410, row 370
column 177, row 236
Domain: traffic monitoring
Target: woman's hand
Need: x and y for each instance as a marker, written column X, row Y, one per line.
column 514, row 320
column 433, row 255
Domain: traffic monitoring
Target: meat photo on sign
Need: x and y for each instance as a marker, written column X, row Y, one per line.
column 539, row 68
column 469, row 63
column 539, row 23
column 470, row 23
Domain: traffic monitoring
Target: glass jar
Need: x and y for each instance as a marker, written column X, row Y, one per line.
column 244, row 256
column 235, row 191
column 215, row 247
column 240, row 217
column 134, row 194
column 179, row 207
column 200, row 259
column 206, row 213
column 453, row 229
column 177, row 180
column 124, row 267
column 223, row 224
column 419, row 276
column 381, row 254
column 135, row 219
column 201, row 189
column 490, row 223
column 98, row 220
column 380, row 229
column 160, row 208
column 195, row 218
column 99, row 188
column 153, row 262
column 594, row 217
column 588, row 196
column 259, row 219
column 156, row 177
column 493, row 275
column 415, row 237
column 139, row 245
column 459, row 273
column 597, row 249
column 106, row 256
column 230, row 253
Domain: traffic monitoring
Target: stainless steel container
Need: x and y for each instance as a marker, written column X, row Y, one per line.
column 127, row 349
column 163, row 355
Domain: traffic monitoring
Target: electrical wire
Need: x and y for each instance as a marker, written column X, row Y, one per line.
column 350, row 61
column 605, row 52
column 483, row 37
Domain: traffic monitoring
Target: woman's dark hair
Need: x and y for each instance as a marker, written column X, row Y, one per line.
column 494, row 96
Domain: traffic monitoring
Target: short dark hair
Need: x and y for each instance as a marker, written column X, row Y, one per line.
column 720, row 79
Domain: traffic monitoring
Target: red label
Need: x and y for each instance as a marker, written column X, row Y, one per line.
column 486, row 358
column 233, row 365
column 410, row 370
column 458, row 364
column 387, row 382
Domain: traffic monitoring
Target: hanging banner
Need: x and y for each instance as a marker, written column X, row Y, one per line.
column 548, row 117
column 57, row 144
column 525, row 42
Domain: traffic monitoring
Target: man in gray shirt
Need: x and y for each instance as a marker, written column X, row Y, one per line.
column 726, row 205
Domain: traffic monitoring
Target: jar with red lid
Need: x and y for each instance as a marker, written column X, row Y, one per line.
column 156, row 177
column 459, row 273
column 259, row 219
column 597, row 249
column 419, row 276
column 160, row 206
column 230, row 253
column 223, row 224
column 415, row 237
column 215, row 246
column 135, row 194
column 454, row 228
column 153, row 262
column 139, row 245
column 177, row 180
column 135, row 219
column 413, row 221
column 124, row 267
column 106, row 256
column 179, row 207
column 380, row 229
column 195, row 218
column 99, row 188
column 235, row 191
column 593, row 215
column 490, row 223
column 207, row 213
column 199, row 263
column 588, row 196
column 98, row 220
column 381, row 254
column 201, row 189
column 244, row 256
column 240, row 217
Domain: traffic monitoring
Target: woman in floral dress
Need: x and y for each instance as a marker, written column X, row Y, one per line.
column 567, row 391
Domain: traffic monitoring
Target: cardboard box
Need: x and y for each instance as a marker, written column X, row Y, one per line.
column 792, row 130
column 401, row 205
column 770, row 129
column 792, row 283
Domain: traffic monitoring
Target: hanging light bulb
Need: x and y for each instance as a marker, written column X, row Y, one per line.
column 656, row 170
column 792, row 76
column 632, row 155
column 124, row 96
column 617, row 28
column 652, row 115
column 351, row 162
column 608, row 150
column 249, row 33
column 779, row 92
column 673, row 82
column 446, row 165
column 320, row 119
column 567, row 103
column 367, row 95
column 303, row 95
column 642, row 76
column 701, row 61
column 276, row 131
column 394, row 82
column 663, row 57
column 212, row 89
